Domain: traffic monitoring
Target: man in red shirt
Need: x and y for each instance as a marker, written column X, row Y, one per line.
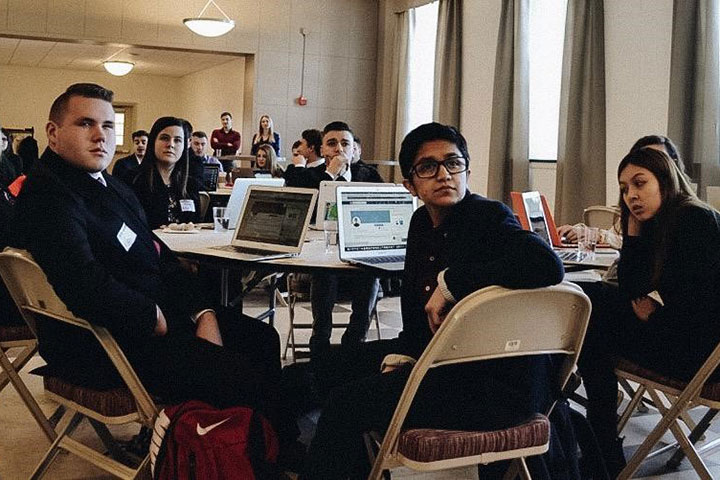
column 227, row 140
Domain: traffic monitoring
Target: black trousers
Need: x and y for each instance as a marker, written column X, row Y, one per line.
column 323, row 295
column 485, row 395
column 245, row 371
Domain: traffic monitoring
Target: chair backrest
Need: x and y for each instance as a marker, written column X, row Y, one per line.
column 601, row 216
column 204, row 204
column 497, row 322
column 33, row 295
column 713, row 196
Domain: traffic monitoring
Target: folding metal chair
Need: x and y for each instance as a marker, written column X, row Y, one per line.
column 35, row 298
column 489, row 324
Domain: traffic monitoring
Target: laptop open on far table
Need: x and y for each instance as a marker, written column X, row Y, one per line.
column 211, row 172
column 534, row 215
column 273, row 222
column 237, row 197
column 373, row 225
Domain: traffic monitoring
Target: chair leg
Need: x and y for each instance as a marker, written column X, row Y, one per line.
column 112, row 445
column 75, row 419
column 26, row 396
column 637, row 398
column 697, row 433
column 524, row 472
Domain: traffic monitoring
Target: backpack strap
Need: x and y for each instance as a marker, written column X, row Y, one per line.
column 257, row 453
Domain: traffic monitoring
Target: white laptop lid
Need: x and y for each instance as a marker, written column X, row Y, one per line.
column 536, row 215
column 373, row 221
column 327, row 200
column 237, row 197
column 274, row 218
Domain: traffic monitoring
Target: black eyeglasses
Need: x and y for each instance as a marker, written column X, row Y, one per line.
column 428, row 168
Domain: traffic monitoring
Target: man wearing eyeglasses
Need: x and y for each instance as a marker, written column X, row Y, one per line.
column 458, row 242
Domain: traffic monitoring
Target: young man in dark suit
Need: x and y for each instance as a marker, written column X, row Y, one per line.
column 89, row 234
column 124, row 167
column 458, row 242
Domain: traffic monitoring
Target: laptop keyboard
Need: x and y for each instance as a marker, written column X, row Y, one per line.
column 390, row 259
column 250, row 251
column 571, row 256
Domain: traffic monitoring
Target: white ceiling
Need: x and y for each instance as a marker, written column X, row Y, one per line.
column 86, row 56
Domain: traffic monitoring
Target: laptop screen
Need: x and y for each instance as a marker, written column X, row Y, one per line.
column 373, row 221
column 274, row 216
column 237, row 197
column 536, row 215
column 210, row 177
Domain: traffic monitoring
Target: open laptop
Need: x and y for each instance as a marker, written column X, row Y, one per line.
column 373, row 225
column 273, row 222
column 211, row 173
column 326, row 218
column 534, row 214
column 237, row 196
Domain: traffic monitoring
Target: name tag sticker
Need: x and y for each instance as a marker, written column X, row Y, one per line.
column 187, row 205
column 126, row 237
column 512, row 345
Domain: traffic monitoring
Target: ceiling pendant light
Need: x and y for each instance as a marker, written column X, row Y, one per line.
column 118, row 68
column 210, row 27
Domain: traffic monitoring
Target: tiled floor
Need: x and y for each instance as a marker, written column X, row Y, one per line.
column 22, row 444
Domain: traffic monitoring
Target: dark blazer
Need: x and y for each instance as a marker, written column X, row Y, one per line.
column 362, row 172
column 257, row 141
column 125, row 167
column 305, row 177
column 155, row 202
column 73, row 227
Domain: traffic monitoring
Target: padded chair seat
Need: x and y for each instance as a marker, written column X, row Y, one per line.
column 12, row 333
column 430, row 445
column 115, row 402
column 710, row 391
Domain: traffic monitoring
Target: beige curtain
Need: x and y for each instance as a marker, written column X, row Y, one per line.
column 448, row 61
column 580, row 180
column 509, row 167
column 693, row 112
column 392, row 118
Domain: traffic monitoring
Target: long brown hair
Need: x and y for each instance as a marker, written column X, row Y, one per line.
column 674, row 195
column 181, row 171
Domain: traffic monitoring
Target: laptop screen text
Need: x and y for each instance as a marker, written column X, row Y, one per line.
column 376, row 221
column 273, row 217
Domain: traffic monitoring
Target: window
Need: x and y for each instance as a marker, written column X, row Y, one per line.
column 422, row 64
column 124, row 126
column 547, row 35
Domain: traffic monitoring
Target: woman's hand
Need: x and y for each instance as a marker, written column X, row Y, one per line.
column 161, row 324
column 436, row 308
column 644, row 307
column 567, row 233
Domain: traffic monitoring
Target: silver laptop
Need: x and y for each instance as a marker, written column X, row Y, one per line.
column 237, row 197
column 326, row 218
column 373, row 225
column 273, row 222
column 541, row 225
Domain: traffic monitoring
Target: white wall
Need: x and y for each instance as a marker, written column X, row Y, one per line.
column 26, row 94
column 207, row 93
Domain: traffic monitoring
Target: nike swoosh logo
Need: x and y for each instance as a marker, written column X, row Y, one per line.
column 203, row 431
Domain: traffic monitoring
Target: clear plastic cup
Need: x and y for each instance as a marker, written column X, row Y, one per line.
column 587, row 241
column 220, row 219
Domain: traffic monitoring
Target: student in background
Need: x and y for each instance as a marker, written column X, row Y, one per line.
column 225, row 139
column 198, row 143
column 296, row 155
column 163, row 185
column 266, row 135
column 663, row 314
column 10, row 164
column 307, row 170
column 266, row 162
column 125, row 168
column 28, row 151
column 361, row 171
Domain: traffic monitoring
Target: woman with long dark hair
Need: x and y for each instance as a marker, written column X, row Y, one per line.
column 664, row 313
column 266, row 135
column 163, row 185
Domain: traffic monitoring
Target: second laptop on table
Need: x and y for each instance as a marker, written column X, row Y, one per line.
column 273, row 222
column 373, row 225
